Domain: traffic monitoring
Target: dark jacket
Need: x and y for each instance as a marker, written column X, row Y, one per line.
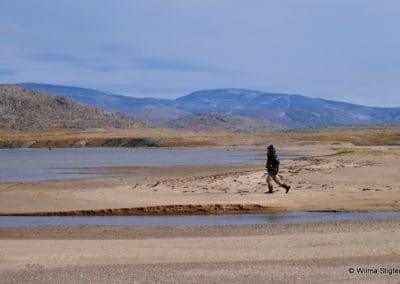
column 272, row 164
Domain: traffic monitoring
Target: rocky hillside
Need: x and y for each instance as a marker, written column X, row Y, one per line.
column 22, row 109
column 149, row 109
column 219, row 122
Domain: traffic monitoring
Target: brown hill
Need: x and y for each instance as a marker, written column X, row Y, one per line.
column 22, row 109
column 219, row 122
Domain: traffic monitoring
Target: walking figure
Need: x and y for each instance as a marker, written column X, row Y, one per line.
column 272, row 167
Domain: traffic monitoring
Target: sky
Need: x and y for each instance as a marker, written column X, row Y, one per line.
column 346, row 50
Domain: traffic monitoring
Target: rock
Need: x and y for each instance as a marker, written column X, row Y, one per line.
column 141, row 143
column 136, row 142
column 80, row 144
column 113, row 142
column 28, row 144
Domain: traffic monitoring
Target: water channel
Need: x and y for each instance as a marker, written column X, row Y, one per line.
column 208, row 220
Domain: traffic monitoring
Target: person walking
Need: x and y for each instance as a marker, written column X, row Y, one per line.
column 272, row 167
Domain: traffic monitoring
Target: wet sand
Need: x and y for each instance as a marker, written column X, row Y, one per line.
column 330, row 177
column 307, row 252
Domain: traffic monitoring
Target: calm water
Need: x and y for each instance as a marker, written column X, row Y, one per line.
column 212, row 220
column 41, row 164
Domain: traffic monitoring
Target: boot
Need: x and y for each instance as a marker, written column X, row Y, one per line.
column 270, row 189
column 287, row 187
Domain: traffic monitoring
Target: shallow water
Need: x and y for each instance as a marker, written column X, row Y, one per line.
column 209, row 220
column 41, row 164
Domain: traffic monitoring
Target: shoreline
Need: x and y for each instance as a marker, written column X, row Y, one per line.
column 327, row 178
column 69, row 138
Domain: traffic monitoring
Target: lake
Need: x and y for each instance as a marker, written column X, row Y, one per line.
column 59, row 164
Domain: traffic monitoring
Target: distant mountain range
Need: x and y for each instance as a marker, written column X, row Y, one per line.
column 23, row 109
column 277, row 110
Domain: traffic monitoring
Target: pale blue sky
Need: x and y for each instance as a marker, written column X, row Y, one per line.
column 346, row 50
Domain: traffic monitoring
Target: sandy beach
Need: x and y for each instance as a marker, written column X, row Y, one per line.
column 330, row 177
column 304, row 252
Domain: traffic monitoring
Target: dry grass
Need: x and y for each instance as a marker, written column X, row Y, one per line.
column 343, row 153
column 176, row 138
column 358, row 137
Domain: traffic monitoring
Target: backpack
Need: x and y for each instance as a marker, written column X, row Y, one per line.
column 273, row 167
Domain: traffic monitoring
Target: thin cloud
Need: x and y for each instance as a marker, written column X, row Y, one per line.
column 116, row 48
column 99, row 67
column 53, row 57
column 174, row 65
column 7, row 72
column 93, row 64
